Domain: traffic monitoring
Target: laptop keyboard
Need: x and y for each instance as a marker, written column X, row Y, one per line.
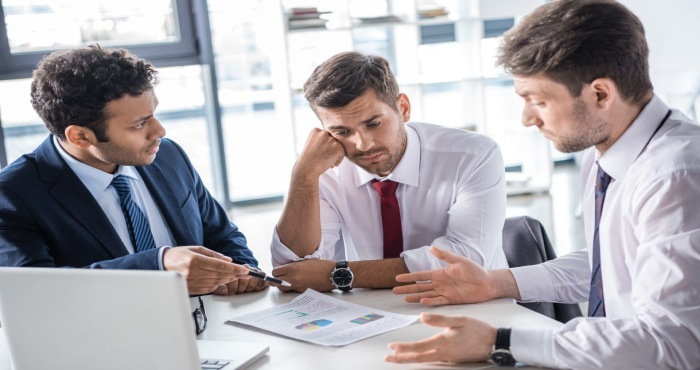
column 213, row 364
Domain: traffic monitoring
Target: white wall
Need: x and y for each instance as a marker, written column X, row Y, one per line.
column 673, row 34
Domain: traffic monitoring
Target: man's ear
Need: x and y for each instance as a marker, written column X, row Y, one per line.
column 605, row 92
column 79, row 136
column 404, row 106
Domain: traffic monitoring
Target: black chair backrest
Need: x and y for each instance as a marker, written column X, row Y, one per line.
column 525, row 242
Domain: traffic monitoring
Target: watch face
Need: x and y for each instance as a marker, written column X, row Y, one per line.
column 342, row 277
column 503, row 357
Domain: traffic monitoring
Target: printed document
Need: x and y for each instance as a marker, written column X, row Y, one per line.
column 317, row 318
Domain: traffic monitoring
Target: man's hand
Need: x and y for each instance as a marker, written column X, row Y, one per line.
column 203, row 269
column 462, row 281
column 321, row 153
column 242, row 285
column 314, row 274
column 464, row 340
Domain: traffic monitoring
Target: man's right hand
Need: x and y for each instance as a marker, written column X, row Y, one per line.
column 321, row 153
column 204, row 269
column 462, row 281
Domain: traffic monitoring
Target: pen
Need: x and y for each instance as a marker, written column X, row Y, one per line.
column 270, row 279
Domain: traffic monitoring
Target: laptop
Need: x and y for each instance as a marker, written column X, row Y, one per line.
column 77, row 319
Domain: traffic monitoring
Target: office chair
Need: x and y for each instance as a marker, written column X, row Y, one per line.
column 525, row 242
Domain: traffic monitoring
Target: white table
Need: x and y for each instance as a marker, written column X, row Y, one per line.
column 368, row 354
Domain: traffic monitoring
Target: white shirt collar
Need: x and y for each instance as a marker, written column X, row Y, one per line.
column 622, row 154
column 406, row 171
column 96, row 181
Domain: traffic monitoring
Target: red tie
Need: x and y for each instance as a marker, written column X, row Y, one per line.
column 391, row 218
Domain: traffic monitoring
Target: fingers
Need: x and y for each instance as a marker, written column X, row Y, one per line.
column 337, row 163
column 204, row 269
column 446, row 256
column 413, row 288
column 209, row 253
column 279, row 271
column 285, row 288
column 222, row 268
column 416, row 298
column 257, row 285
column 443, row 321
column 434, row 301
column 419, row 346
column 412, row 357
column 221, row 290
column 415, row 276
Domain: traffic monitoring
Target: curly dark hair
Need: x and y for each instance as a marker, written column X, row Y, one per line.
column 347, row 75
column 72, row 87
column 574, row 42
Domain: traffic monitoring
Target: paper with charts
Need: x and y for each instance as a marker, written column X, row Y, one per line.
column 320, row 319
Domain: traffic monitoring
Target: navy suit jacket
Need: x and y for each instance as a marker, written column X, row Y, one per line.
column 49, row 218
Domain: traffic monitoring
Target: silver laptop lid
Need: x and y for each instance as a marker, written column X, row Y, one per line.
column 97, row 319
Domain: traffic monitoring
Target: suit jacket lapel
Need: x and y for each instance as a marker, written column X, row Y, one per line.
column 167, row 202
column 70, row 192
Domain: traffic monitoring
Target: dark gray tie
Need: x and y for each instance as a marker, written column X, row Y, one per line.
column 596, row 303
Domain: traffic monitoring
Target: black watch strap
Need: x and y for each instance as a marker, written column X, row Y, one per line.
column 342, row 264
column 501, row 354
column 503, row 338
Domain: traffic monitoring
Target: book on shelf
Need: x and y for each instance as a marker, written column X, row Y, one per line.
column 380, row 19
column 430, row 9
column 307, row 23
column 305, row 17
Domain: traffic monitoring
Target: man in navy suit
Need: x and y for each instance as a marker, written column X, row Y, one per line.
column 59, row 206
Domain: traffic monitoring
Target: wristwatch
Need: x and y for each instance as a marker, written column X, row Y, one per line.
column 342, row 277
column 500, row 354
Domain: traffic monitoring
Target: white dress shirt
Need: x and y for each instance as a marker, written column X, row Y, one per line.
column 98, row 183
column 650, row 257
column 451, row 194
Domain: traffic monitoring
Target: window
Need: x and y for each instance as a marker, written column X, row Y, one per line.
column 158, row 30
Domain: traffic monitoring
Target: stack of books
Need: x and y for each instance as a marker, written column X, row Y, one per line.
column 429, row 9
column 306, row 17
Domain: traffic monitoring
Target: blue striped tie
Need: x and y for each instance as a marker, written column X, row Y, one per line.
column 596, row 303
column 136, row 222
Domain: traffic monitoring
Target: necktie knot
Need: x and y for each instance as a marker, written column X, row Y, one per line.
column 602, row 181
column 121, row 184
column 386, row 188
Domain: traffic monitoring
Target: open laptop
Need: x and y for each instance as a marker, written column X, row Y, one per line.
column 107, row 319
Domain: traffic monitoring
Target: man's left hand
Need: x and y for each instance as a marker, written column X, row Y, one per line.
column 464, row 340
column 314, row 274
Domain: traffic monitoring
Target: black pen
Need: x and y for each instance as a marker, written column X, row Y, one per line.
column 262, row 276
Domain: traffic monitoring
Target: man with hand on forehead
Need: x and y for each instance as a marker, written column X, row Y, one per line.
column 371, row 191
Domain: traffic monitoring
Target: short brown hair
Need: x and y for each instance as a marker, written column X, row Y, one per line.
column 345, row 76
column 573, row 42
column 72, row 87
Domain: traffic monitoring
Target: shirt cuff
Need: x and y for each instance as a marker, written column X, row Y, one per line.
column 533, row 346
column 534, row 283
column 282, row 255
column 161, row 253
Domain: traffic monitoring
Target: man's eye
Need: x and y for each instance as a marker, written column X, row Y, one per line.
column 373, row 124
column 342, row 133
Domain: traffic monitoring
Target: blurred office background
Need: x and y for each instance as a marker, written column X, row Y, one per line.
column 231, row 77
